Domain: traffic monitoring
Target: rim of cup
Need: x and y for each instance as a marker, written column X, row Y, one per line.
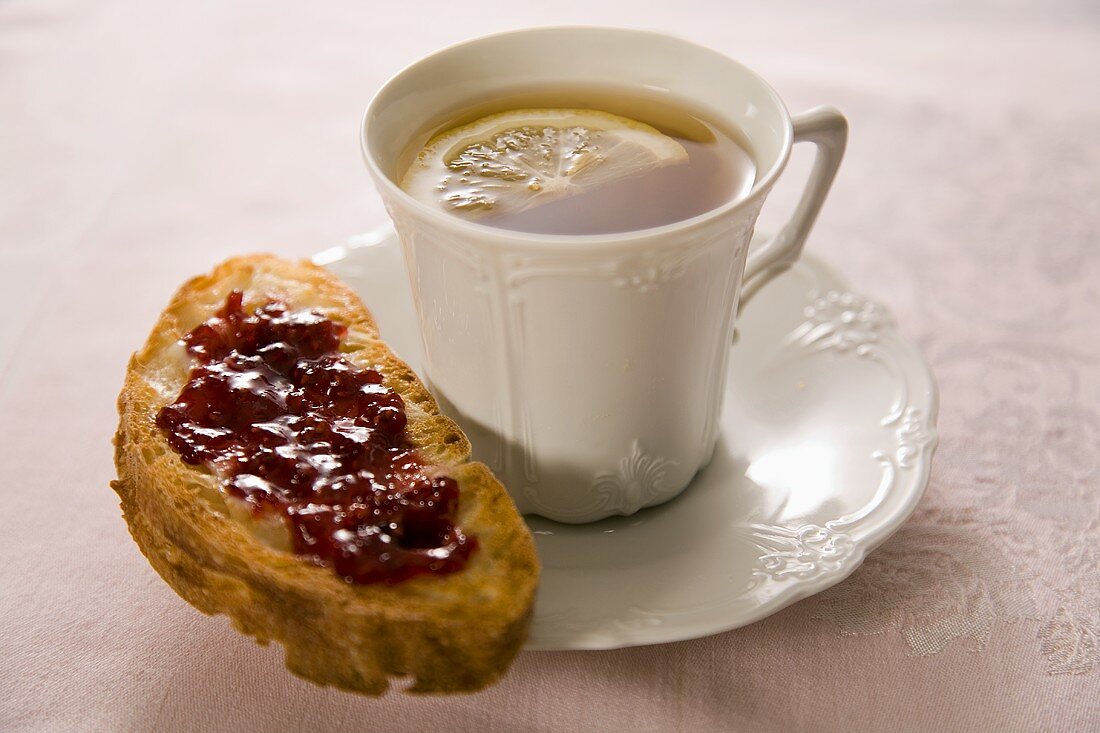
column 513, row 239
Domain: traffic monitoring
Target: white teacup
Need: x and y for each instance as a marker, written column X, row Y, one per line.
column 588, row 371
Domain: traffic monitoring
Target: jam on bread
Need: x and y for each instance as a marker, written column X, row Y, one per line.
column 297, row 431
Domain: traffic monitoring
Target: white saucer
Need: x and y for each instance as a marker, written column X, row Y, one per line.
column 827, row 436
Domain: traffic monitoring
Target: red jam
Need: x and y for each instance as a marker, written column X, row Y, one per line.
column 295, row 429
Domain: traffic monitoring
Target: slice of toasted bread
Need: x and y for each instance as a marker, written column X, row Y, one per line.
column 450, row 633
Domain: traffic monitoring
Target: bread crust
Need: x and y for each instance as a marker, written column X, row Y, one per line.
column 449, row 633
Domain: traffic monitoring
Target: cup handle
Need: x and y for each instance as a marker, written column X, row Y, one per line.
column 826, row 128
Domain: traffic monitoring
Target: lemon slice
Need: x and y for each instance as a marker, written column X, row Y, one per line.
column 512, row 161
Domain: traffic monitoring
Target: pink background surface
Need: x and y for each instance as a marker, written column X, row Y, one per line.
column 141, row 142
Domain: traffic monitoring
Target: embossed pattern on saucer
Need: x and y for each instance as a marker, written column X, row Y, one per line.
column 828, row 429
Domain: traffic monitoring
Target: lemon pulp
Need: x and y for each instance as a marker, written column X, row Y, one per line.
column 512, row 161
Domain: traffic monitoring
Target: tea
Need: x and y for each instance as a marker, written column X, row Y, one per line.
column 580, row 161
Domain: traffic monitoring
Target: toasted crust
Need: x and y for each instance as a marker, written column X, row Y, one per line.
column 450, row 633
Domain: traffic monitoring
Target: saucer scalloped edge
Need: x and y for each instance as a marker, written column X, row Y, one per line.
column 827, row 435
